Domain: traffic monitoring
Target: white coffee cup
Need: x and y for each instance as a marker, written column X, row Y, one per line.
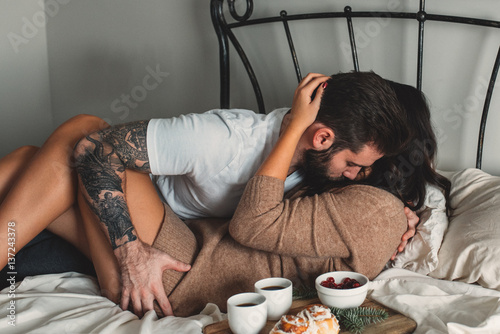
column 278, row 293
column 247, row 313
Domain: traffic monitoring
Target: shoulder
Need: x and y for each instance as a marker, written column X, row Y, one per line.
column 368, row 206
column 366, row 194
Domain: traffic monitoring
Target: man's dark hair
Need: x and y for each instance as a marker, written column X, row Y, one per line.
column 362, row 108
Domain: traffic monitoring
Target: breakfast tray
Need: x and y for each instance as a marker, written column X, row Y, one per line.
column 396, row 323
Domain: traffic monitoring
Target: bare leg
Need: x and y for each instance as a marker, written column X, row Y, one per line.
column 46, row 188
column 11, row 167
column 68, row 225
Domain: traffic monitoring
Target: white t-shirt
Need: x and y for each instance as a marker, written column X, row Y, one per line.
column 202, row 162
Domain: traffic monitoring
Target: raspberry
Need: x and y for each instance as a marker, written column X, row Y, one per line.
column 347, row 283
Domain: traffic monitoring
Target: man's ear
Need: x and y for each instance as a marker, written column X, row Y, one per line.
column 323, row 138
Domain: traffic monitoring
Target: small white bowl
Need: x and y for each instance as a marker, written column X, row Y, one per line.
column 342, row 298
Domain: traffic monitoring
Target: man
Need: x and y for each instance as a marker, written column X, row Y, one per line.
column 201, row 162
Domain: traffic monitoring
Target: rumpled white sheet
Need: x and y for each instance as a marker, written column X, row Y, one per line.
column 438, row 306
column 70, row 303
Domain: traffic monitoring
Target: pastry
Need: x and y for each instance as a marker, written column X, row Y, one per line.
column 314, row 319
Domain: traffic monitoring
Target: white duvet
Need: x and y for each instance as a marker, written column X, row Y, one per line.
column 70, row 303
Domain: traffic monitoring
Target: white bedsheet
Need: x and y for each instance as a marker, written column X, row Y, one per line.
column 438, row 306
column 70, row 303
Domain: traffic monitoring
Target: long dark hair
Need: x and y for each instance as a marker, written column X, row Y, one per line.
column 406, row 174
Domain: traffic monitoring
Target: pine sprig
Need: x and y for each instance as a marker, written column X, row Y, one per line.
column 356, row 319
column 304, row 292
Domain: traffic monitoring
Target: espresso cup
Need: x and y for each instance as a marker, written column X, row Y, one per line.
column 247, row 313
column 278, row 293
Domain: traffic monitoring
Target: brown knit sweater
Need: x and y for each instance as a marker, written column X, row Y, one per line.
column 356, row 228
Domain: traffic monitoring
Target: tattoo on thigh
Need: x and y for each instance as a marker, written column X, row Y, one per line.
column 101, row 170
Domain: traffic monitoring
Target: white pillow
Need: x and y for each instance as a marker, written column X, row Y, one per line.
column 421, row 252
column 470, row 251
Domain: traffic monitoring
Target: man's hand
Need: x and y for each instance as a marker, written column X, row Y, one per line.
column 412, row 228
column 141, row 269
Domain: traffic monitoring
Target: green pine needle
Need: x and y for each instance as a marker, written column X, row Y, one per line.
column 356, row 319
column 304, row 292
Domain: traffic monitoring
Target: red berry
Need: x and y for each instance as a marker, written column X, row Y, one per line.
column 347, row 283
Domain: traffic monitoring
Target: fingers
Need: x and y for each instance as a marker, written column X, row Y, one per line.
column 168, row 262
column 163, row 302
column 304, row 107
column 137, row 303
column 177, row 266
column 412, row 219
column 125, row 299
column 402, row 246
column 312, row 82
column 313, row 77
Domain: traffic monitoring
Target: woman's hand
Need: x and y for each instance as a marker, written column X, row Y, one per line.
column 304, row 107
column 303, row 114
column 413, row 220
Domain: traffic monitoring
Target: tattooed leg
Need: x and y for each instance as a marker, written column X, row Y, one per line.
column 101, row 162
column 101, row 159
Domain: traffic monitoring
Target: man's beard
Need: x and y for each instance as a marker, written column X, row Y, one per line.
column 315, row 167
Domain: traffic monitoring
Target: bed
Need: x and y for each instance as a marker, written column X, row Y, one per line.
column 448, row 277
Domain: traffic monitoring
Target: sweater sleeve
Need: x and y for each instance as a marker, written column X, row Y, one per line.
column 353, row 220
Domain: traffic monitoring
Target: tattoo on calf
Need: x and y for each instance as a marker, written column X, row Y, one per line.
column 101, row 170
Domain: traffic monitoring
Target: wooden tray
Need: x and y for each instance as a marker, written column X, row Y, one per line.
column 396, row 323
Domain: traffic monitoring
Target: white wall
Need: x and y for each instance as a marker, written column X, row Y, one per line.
column 102, row 54
column 98, row 56
column 25, row 108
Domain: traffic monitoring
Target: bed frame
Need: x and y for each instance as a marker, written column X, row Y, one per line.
column 224, row 30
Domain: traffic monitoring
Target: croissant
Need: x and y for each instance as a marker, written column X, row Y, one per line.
column 314, row 319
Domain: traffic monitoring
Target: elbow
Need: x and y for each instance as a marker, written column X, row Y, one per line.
column 241, row 231
column 235, row 231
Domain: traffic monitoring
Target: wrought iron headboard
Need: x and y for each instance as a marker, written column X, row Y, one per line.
column 225, row 34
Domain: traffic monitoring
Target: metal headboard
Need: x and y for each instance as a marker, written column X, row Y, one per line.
column 225, row 34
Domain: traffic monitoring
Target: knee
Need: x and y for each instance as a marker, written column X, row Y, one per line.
column 26, row 151
column 64, row 138
column 84, row 122
column 80, row 126
column 86, row 118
